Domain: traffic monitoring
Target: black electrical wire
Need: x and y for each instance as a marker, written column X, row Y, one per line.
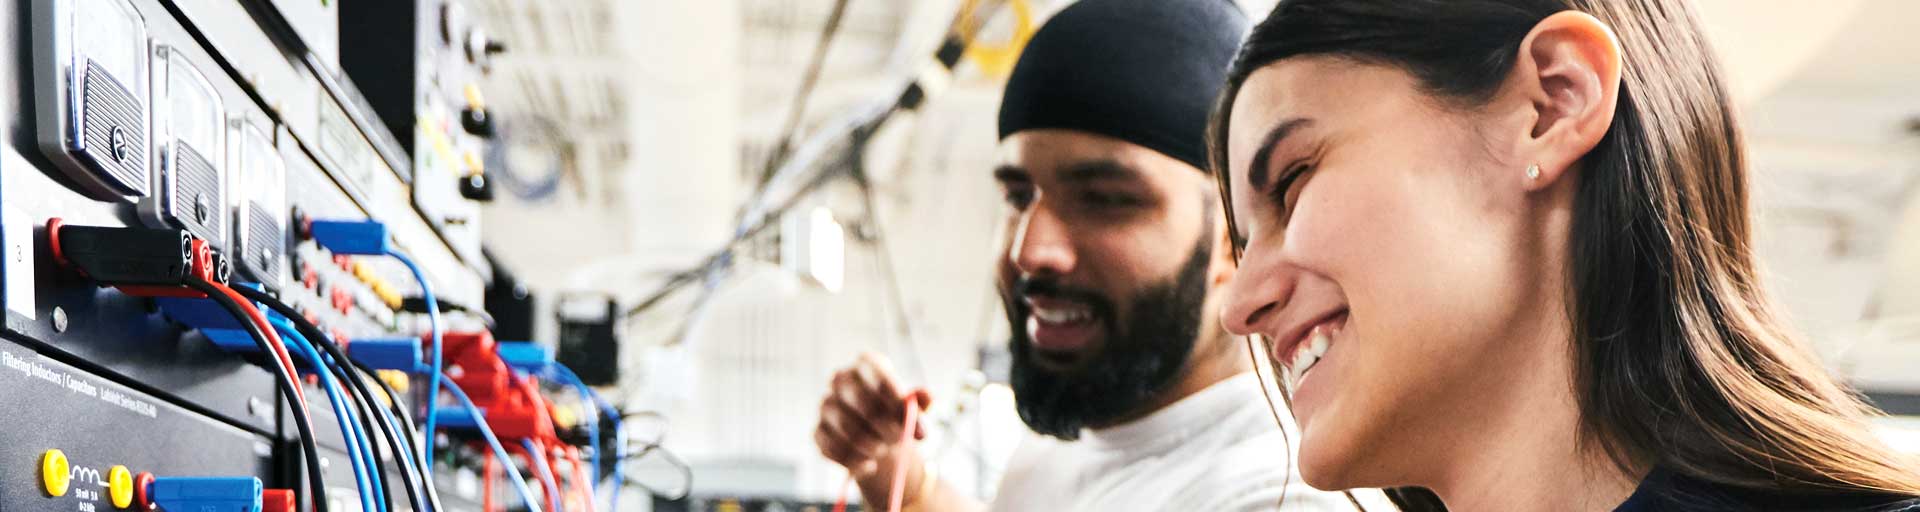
column 360, row 406
column 798, row 109
column 404, row 442
column 686, row 471
column 288, row 387
column 420, row 493
column 401, row 452
column 406, row 424
column 355, row 387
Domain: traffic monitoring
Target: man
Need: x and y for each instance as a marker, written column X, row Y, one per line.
column 1115, row 246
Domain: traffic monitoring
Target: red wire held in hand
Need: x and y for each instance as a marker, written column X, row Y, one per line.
column 915, row 397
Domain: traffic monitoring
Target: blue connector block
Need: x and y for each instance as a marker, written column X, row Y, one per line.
column 362, row 237
column 457, row 417
column 207, row 494
column 210, row 319
column 525, row 356
column 200, row 313
column 387, row 353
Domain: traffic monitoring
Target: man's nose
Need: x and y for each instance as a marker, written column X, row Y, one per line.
column 1042, row 245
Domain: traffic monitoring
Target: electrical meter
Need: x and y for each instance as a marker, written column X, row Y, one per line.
column 189, row 132
column 260, row 187
column 91, row 90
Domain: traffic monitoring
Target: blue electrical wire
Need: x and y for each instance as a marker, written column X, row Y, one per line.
column 566, row 376
column 359, row 453
column 434, row 384
column 546, row 473
column 619, row 460
column 499, row 451
column 406, row 452
column 563, row 373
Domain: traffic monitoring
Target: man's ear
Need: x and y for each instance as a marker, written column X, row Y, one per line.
column 1221, row 270
column 1568, row 71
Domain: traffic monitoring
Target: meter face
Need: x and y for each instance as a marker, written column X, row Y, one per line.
column 188, row 136
column 93, row 93
column 194, row 108
column 111, row 34
column 260, row 179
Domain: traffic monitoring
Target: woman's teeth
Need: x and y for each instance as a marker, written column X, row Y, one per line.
column 1062, row 316
column 1307, row 355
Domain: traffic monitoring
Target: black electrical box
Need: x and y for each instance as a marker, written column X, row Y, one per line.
column 589, row 341
column 510, row 303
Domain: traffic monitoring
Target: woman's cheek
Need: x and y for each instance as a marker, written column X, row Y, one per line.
column 1342, row 224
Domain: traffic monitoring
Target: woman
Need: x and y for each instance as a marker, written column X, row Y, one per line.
column 1501, row 250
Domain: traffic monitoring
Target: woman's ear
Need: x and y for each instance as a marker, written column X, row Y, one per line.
column 1569, row 71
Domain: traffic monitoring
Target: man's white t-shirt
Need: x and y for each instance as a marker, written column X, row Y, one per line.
column 1215, row 450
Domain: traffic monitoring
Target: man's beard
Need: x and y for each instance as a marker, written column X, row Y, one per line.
column 1134, row 365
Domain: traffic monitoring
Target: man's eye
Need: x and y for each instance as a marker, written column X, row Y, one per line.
column 1104, row 199
column 1019, row 197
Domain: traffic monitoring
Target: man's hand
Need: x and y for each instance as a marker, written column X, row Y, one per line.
column 861, row 420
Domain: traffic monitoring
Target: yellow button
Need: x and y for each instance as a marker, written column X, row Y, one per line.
column 472, row 92
column 564, row 415
column 120, row 486
column 398, row 379
column 474, row 164
column 53, row 472
column 387, row 295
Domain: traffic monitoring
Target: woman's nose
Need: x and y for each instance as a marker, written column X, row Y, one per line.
column 1258, row 292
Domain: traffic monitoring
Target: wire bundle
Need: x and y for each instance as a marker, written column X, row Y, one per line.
column 362, row 412
column 252, row 321
column 397, row 429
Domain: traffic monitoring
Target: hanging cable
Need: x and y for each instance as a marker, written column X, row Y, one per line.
column 359, row 454
column 686, row 472
column 617, row 475
column 499, row 450
column 399, row 430
column 364, row 410
column 566, row 376
column 797, row 111
column 537, row 456
column 438, row 364
column 251, row 321
column 914, row 401
column 397, row 412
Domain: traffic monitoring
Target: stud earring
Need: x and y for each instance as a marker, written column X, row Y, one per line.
column 1533, row 171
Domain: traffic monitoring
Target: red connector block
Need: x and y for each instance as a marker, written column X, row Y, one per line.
column 514, row 406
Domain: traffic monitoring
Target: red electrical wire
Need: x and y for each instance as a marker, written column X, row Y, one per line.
column 914, row 401
column 900, row 466
column 580, row 480
column 279, row 348
column 553, row 493
column 273, row 338
column 492, row 472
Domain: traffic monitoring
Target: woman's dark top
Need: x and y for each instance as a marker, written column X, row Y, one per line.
column 1665, row 490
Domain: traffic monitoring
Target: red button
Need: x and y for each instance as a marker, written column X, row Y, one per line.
column 342, row 301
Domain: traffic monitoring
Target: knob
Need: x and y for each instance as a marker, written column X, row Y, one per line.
column 476, row 187
column 476, row 121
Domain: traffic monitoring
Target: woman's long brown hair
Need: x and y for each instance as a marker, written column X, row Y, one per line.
column 1681, row 357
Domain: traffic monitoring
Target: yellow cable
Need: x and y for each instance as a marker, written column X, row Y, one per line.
column 996, row 59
